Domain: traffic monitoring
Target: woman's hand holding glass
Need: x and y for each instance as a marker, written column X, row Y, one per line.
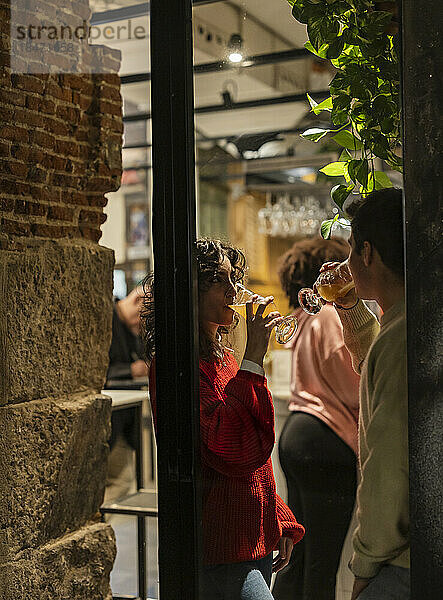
column 285, row 327
column 259, row 327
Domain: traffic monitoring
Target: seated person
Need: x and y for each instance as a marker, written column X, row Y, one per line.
column 125, row 363
column 126, row 352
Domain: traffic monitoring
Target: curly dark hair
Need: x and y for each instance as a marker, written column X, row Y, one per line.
column 209, row 255
column 299, row 266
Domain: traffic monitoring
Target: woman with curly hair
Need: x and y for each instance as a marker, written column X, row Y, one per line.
column 318, row 444
column 244, row 520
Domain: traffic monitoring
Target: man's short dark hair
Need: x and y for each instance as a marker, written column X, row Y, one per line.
column 378, row 218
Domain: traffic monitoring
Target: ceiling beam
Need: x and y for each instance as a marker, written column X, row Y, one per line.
column 256, row 60
column 201, row 110
column 118, row 14
column 297, row 186
column 201, row 2
column 231, row 137
column 261, row 165
column 133, row 11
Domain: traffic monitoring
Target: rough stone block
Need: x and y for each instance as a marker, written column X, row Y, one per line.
column 53, row 461
column 55, row 319
column 73, row 567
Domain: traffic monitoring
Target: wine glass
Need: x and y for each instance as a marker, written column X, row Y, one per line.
column 330, row 285
column 284, row 331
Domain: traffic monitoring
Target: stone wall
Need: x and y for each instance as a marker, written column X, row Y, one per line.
column 60, row 152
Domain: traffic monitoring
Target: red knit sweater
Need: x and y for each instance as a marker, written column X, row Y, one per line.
column 243, row 516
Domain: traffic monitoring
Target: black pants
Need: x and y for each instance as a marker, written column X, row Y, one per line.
column 320, row 472
column 123, row 424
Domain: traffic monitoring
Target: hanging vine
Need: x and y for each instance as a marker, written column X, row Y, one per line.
column 364, row 104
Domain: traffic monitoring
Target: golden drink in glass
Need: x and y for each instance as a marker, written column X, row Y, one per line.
column 330, row 292
column 330, row 285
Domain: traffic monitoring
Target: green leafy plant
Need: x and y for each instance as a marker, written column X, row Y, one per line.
column 364, row 105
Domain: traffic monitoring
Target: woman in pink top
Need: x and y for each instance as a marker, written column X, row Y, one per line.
column 319, row 441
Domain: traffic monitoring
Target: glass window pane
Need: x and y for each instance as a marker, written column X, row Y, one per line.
column 258, row 190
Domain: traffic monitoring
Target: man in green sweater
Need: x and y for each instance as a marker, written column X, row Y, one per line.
column 380, row 561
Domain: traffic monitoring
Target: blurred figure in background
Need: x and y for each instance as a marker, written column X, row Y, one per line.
column 125, row 364
column 318, row 445
column 126, row 351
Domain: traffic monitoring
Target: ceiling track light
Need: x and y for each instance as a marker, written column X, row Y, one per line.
column 235, row 54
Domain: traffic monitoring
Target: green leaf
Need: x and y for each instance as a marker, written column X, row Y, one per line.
column 321, row 52
column 322, row 30
column 299, row 12
column 325, row 105
column 310, row 47
column 312, row 102
column 340, row 109
column 303, row 10
column 339, row 85
column 349, row 36
column 374, row 48
column 382, row 107
column 326, row 227
column 375, row 23
column 381, row 148
column 377, row 181
column 346, row 139
column 335, row 48
column 395, row 161
column 339, row 193
column 333, row 169
column 387, row 125
column 382, row 180
column 358, row 170
column 314, row 134
column 344, row 156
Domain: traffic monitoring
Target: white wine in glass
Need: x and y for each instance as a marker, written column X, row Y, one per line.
column 284, row 331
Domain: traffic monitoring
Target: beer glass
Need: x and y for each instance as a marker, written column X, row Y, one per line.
column 284, row 331
column 330, row 285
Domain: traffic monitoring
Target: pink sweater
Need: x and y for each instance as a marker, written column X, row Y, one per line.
column 323, row 382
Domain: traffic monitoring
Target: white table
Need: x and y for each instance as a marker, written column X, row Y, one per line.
column 134, row 400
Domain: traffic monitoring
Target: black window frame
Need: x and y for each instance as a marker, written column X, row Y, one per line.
column 176, row 339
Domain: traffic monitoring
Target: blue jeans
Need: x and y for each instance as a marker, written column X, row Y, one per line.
column 237, row 581
column 391, row 583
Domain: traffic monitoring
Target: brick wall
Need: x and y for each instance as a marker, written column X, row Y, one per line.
column 60, row 149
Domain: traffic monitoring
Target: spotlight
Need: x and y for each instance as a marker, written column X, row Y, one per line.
column 235, row 48
column 235, row 57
